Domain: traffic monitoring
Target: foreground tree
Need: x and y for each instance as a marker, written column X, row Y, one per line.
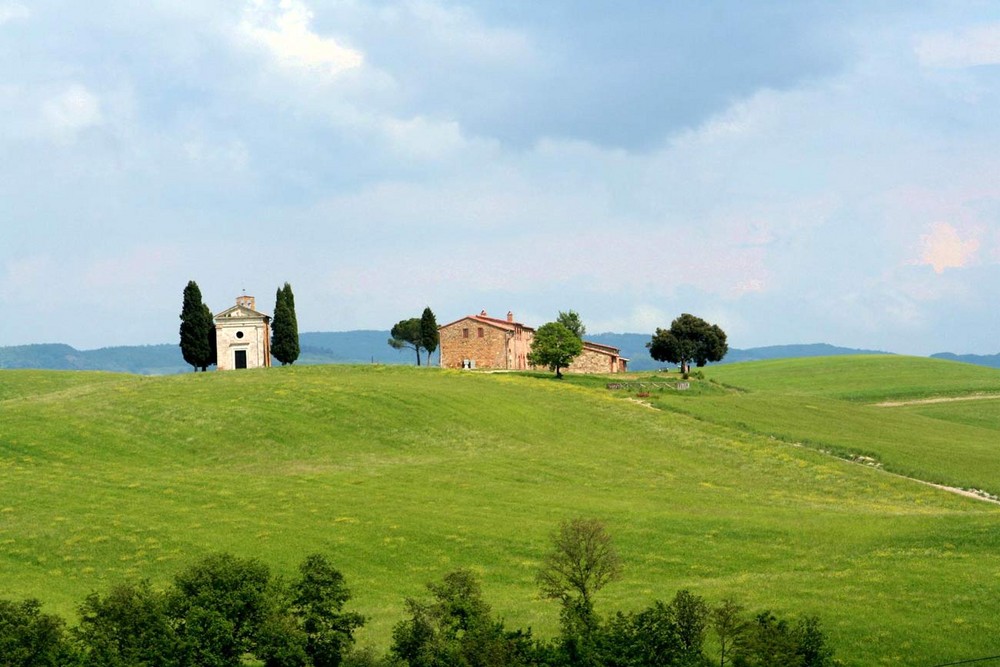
column 456, row 629
column 572, row 321
column 285, row 327
column 128, row 626
column 197, row 329
column 225, row 607
column 554, row 347
column 582, row 561
column 29, row 638
column 663, row 634
column 688, row 339
column 407, row 333
column 318, row 599
column 429, row 335
column 729, row 625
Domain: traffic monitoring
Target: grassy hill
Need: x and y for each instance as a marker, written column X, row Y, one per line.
column 402, row 474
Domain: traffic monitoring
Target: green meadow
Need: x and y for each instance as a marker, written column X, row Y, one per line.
column 733, row 488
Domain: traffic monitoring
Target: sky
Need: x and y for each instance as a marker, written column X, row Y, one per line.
column 795, row 172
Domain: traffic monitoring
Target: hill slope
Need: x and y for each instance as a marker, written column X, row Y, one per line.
column 402, row 474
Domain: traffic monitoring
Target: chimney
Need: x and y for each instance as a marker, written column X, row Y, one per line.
column 510, row 316
column 483, row 314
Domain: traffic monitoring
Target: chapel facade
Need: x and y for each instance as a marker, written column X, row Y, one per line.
column 242, row 336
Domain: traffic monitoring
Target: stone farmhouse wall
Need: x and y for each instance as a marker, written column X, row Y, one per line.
column 480, row 341
column 595, row 360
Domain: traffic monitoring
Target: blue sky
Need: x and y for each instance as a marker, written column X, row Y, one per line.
column 794, row 171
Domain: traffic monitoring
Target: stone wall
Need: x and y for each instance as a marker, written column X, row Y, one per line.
column 474, row 341
column 592, row 361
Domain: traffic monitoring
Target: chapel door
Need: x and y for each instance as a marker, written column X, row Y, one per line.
column 241, row 358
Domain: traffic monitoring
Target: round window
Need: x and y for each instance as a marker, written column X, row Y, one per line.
column 239, row 334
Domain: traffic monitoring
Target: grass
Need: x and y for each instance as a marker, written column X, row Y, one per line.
column 402, row 474
column 832, row 405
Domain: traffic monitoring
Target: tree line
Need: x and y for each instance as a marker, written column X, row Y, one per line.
column 226, row 611
column 197, row 332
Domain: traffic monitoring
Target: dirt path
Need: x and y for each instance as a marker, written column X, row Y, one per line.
column 940, row 399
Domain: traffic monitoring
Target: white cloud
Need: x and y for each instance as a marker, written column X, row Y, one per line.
column 13, row 11
column 978, row 45
column 74, row 109
column 944, row 248
column 283, row 28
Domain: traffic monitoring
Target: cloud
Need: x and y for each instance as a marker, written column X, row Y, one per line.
column 971, row 47
column 74, row 109
column 283, row 29
column 13, row 11
column 943, row 248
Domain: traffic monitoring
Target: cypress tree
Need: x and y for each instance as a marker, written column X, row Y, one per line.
column 197, row 329
column 429, row 336
column 285, row 328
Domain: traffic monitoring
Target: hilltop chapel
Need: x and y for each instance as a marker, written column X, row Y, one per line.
column 242, row 336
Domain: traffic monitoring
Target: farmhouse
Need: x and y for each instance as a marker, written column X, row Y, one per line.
column 243, row 336
column 481, row 341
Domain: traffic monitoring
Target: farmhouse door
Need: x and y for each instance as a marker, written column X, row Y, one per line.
column 241, row 358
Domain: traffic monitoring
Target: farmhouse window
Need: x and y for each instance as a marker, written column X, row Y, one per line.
column 480, row 332
column 465, row 333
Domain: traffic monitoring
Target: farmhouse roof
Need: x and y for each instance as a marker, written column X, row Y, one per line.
column 483, row 318
column 602, row 348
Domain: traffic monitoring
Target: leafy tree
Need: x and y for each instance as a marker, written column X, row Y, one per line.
column 770, row 640
column 318, row 598
column 582, row 561
column 662, row 634
column 456, row 629
column 812, row 645
column 429, row 335
column 29, row 638
column 572, row 321
column 407, row 333
column 555, row 347
column 285, row 327
column 727, row 620
column 220, row 607
column 688, row 339
column 128, row 626
column 197, row 329
column 689, row 614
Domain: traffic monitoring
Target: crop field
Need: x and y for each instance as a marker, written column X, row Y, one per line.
column 403, row 474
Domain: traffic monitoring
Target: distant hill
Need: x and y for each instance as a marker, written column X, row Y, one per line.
column 340, row 347
column 140, row 359
column 363, row 346
column 367, row 346
column 991, row 360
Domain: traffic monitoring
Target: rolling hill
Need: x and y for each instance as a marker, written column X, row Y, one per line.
column 402, row 474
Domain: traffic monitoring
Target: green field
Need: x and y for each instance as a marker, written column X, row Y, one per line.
column 402, row 474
